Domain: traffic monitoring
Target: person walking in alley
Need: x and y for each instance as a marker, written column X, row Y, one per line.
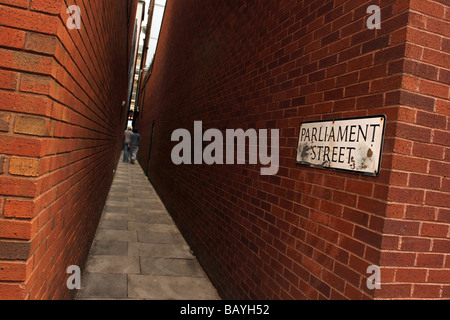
column 135, row 139
column 126, row 145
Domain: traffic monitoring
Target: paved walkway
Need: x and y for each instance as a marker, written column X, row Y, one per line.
column 138, row 252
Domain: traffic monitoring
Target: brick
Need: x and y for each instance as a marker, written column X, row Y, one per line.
column 434, row 89
column 417, row 101
column 370, row 101
column 442, row 246
column 375, row 44
column 17, row 3
column 372, row 73
column 321, row 286
column 393, row 23
column 414, row 52
column 438, row 26
column 40, row 43
column 36, row 84
column 47, row 6
column 434, row 230
column 4, row 122
column 444, row 76
column 360, row 187
column 344, row 198
column 389, row 54
column 445, row 291
column 411, row 275
column 18, row 187
column 426, row 291
column 376, row 224
column 24, row 166
column 431, row 120
column 410, row 83
column 420, row 69
column 436, row 58
column 403, row 147
column 347, row 273
column 31, row 126
column 398, row 259
column 400, row 227
column 429, row 260
column 410, row 195
column 12, row 229
column 424, row 181
column 439, row 199
column 22, row 209
column 424, row 39
column 21, row 146
column 439, row 168
column 27, row 20
column 393, row 290
column 11, row 37
column 443, row 215
column 367, row 236
column 25, row 103
column 386, row 84
column 8, row 80
column 14, row 250
column 417, row 20
column 25, row 61
column 398, row 36
column 12, row 291
column 332, row 37
column 371, row 205
column 415, row 244
column 439, row 276
column 360, row 63
column 395, row 211
column 13, row 271
column 428, row 7
column 414, row 133
column 357, row 90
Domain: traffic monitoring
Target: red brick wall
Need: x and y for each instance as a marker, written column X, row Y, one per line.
column 61, row 121
column 416, row 244
column 305, row 233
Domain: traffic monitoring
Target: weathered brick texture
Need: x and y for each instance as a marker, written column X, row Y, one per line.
column 417, row 226
column 61, row 124
column 307, row 233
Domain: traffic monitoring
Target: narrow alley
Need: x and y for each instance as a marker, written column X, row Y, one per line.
column 285, row 150
column 138, row 252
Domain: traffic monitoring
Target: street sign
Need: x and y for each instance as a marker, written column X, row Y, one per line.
column 353, row 144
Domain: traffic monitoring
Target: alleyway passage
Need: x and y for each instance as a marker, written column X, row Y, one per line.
column 138, row 252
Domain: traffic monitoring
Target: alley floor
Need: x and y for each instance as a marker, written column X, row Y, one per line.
column 138, row 252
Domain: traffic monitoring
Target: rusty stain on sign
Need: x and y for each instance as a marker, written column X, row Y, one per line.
column 353, row 144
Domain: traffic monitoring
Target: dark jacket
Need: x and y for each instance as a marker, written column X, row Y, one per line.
column 135, row 139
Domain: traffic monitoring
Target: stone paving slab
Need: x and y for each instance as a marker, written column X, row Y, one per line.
column 104, row 286
column 151, row 287
column 121, row 223
column 171, row 267
column 138, row 252
column 107, row 248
